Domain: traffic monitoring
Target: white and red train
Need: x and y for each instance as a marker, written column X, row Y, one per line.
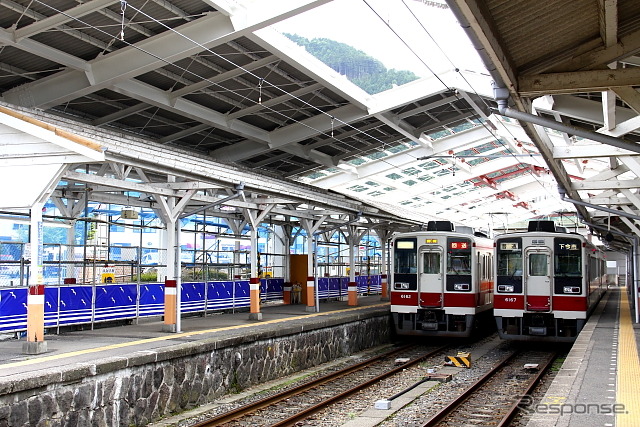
column 441, row 281
column 547, row 283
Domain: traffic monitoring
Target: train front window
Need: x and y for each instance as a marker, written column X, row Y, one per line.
column 405, row 257
column 510, row 257
column 568, row 257
column 538, row 264
column 431, row 263
column 459, row 256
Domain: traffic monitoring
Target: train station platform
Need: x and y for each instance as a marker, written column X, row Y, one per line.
column 137, row 374
column 599, row 381
column 80, row 347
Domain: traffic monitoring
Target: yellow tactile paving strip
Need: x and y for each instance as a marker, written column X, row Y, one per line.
column 628, row 392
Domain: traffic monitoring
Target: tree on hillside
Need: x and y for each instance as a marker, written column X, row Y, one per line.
column 364, row 71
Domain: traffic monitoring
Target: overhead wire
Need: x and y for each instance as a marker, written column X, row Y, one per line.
column 260, row 79
column 382, row 143
column 469, row 84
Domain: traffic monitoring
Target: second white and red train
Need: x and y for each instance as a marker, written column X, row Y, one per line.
column 540, row 284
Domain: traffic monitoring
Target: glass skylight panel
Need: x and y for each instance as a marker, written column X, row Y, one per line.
column 410, row 182
column 357, row 161
column 477, row 161
column 429, row 165
column 316, row 175
column 358, row 188
column 397, row 149
column 440, row 134
column 394, row 176
column 377, row 155
column 463, row 126
column 411, row 171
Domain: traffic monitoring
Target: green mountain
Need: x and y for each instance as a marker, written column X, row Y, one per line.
column 361, row 69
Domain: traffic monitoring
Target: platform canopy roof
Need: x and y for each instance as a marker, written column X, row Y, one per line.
column 222, row 80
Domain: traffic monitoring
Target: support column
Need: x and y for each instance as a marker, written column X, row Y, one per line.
column 254, row 298
column 311, row 297
column 171, row 282
column 286, row 293
column 385, row 288
column 254, row 280
column 35, row 343
column 170, row 299
column 352, row 292
column 384, row 236
column 352, row 289
column 313, row 304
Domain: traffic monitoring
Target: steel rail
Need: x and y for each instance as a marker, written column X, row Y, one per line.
column 305, row 413
column 458, row 401
column 271, row 400
column 533, row 382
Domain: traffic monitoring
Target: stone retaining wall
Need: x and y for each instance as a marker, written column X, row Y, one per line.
column 143, row 388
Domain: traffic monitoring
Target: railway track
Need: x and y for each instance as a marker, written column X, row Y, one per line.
column 493, row 398
column 295, row 404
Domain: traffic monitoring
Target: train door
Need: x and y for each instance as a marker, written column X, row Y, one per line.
column 430, row 282
column 537, row 279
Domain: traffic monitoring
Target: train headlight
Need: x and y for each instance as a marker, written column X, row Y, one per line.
column 505, row 288
column 571, row 289
column 401, row 285
column 461, row 287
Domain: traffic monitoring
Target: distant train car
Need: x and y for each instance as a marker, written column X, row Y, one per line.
column 547, row 283
column 441, row 281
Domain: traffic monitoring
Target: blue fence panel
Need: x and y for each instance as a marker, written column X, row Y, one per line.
column 334, row 287
column 68, row 305
column 13, row 309
column 323, row 287
column 75, row 304
column 51, row 305
column 344, row 286
column 192, row 297
column 271, row 289
column 375, row 284
column 220, row 295
column 241, row 296
column 151, row 299
column 114, row 302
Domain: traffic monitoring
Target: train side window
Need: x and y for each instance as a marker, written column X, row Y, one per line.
column 538, row 265
column 431, row 263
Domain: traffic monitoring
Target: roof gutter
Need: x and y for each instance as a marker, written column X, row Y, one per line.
column 501, row 95
column 597, row 207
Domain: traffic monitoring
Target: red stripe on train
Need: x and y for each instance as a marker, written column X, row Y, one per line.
column 567, row 303
column 460, row 300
